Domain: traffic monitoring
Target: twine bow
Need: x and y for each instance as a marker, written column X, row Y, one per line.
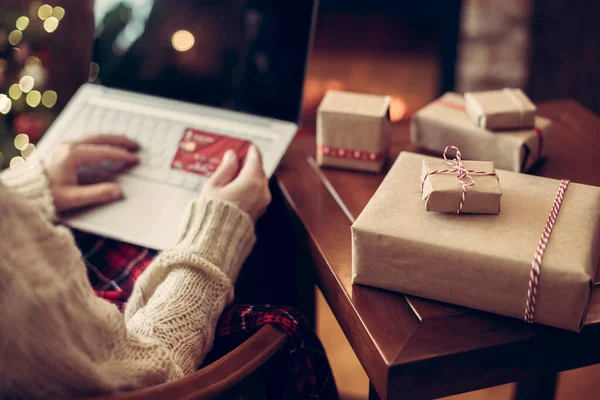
column 462, row 174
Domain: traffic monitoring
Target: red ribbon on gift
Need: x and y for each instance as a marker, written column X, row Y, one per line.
column 536, row 264
column 462, row 175
column 538, row 131
column 353, row 154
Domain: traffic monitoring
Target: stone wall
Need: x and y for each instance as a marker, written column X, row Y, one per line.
column 494, row 44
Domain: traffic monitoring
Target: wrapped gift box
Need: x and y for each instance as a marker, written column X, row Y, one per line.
column 500, row 109
column 445, row 121
column 481, row 261
column 353, row 131
column 442, row 192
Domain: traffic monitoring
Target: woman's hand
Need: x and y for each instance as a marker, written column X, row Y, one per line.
column 249, row 190
column 63, row 163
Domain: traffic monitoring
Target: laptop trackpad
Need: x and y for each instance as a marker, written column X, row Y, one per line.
column 149, row 215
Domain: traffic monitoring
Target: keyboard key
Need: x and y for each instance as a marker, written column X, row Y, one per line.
column 193, row 182
column 177, row 178
column 157, row 150
column 155, row 163
column 153, row 174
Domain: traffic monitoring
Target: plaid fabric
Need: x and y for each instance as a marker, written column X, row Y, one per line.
column 303, row 372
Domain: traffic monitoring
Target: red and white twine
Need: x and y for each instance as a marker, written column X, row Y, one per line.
column 536, row 264
column 462, row 175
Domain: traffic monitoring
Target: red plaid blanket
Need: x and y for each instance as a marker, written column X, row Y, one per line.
column 304, row 373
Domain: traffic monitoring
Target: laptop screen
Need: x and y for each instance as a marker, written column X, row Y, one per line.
column 244, row 55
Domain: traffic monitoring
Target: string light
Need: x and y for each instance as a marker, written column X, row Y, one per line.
column 28, row 151
column 51, row 24
column 22, row 23
column 16, row 161
column 49, row 98
column 183, row 40
column 58, row 13
column 26, row 83
column 15, row 37
column 21, row 141
column 44, row 12
column 15, row 91
column 33, row 98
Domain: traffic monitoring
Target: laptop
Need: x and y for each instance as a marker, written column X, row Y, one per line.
column 230, row 71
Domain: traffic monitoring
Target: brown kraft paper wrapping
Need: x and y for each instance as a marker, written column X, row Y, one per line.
column 442, row 191
column 354, row 122
column 481, row 261
column 500, row 109
column 445, row 121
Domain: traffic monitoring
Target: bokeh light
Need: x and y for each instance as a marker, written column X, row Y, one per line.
column 15, row 37
column 44, row 12
column 33, row 8
column 49, row 98
column 33, row 98
column 183, row 40
column 26, row 83
column 22, row 23
column 3, row 100
column 21, row 141
column 33, row 61
column 28, row 151
column 15, row 91
column 58, row 13
column 7, row 107
column 5, row 104
column 398, row 109
column 16, row 161
column 94, row 71
column 51, row 24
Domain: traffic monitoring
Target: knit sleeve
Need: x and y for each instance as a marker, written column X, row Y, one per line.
column 179, row 298
column 59, row 340
column 29, row 181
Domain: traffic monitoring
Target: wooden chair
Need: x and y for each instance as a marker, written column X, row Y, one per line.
column 228, row 377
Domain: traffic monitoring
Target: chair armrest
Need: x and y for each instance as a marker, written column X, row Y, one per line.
column 218, row 377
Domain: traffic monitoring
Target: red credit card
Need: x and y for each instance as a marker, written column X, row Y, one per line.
column 201, row 152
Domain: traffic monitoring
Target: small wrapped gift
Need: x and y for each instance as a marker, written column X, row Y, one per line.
column 461, row 187
column 500, row 109
column 353, row 131
column 446, row 121
column 520, row 263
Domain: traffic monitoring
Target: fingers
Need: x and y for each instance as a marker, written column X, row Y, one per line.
column 72, row 197
column 226, row 170
column 111, row 140
column 81, row 154
column 252, row 167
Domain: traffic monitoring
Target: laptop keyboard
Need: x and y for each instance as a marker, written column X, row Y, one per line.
column 158, row 138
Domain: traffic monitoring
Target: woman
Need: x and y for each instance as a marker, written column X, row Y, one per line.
column 57, row 339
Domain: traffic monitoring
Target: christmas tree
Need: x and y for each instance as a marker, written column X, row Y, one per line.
column 26, row 95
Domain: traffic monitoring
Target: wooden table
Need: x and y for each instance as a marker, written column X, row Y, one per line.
column 415, row 348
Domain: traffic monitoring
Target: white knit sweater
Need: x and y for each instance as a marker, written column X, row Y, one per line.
column 58, row 340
